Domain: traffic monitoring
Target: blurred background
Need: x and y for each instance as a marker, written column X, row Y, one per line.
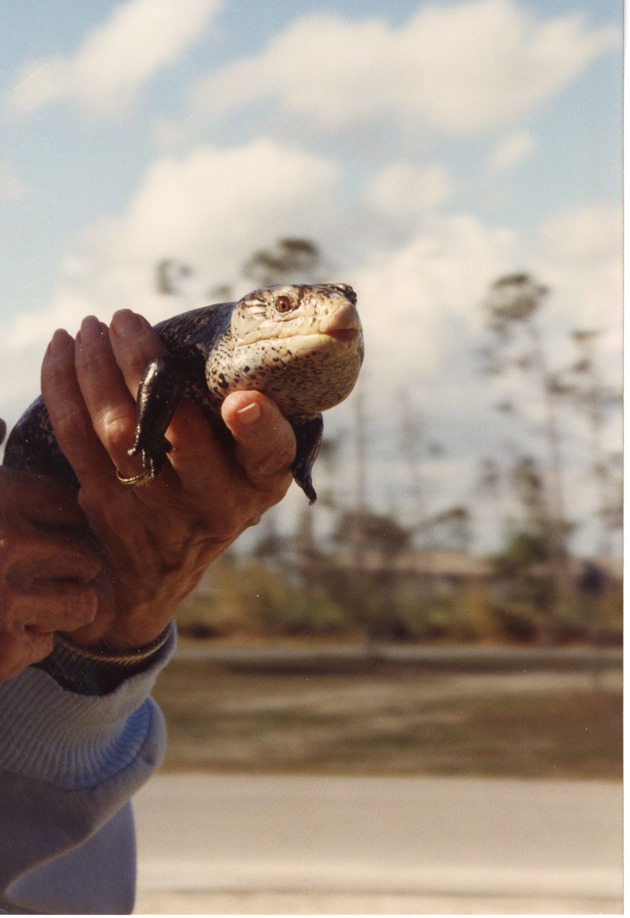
column 455, row 594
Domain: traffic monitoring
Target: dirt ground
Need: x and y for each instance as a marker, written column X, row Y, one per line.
column 391, row 719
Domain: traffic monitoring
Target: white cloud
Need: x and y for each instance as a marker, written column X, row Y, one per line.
column 511, row 151
column 404, row 191
column 104, row 75
column 420, row 294
column 460, row 68
column 213, row 208
column 210, row 209
column 420, row 302
column 579, row 256
column 586, row 234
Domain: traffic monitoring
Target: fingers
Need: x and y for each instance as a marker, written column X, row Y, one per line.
column 68, row 413
column 105, row 393
column 44, row 608
column 94, row 404
column 134, row 344
column 197, row 458
column 92, row 412
column 264, row 440
column 43, row 533
column 30, row 619
column 40, row 500
column 47, row 567
column 32, row 557
column 19, row 649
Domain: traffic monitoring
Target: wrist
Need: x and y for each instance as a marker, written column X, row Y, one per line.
column 98, row 671
column 126, row 632
column 121, row 655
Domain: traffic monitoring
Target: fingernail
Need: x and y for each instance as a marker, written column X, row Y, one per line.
column 91, row 329
column 59, row 342
column 250, row 414
column 126, row 322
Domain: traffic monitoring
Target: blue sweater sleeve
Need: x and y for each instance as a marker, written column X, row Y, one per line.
column 69, row 765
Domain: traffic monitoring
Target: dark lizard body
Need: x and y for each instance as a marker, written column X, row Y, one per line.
column 300, row 345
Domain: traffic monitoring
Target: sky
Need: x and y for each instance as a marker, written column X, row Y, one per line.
column 427, row 148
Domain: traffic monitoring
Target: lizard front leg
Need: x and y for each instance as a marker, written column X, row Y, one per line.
column 159, row 392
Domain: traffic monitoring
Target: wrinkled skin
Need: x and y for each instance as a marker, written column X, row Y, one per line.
column 153, row 542
column 48, row 563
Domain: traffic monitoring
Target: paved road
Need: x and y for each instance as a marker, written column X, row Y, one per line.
column 269, row 844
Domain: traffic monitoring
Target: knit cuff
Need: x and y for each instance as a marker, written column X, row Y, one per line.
column 91, row 671
column 79, row 740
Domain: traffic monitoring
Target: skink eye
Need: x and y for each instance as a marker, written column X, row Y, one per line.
column 284, row 304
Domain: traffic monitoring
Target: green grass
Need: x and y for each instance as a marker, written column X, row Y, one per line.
column 391, row 721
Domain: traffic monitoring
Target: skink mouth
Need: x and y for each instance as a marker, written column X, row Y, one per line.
column 345, row 335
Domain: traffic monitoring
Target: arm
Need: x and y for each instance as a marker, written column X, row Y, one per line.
column 69, row 765
column 62, row 755
column 70, row 761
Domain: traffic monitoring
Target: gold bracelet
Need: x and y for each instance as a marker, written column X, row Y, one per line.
column 121, row 657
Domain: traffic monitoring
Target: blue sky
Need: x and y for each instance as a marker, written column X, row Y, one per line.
column 426, row 147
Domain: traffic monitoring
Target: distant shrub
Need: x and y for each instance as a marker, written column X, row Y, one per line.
column 514, row 621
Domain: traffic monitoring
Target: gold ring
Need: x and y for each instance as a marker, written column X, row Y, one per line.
column 136, row 481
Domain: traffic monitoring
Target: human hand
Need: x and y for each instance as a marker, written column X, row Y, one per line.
column 157, row 539
column 47, row 567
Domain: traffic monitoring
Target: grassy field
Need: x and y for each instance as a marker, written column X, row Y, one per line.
column 390, row 719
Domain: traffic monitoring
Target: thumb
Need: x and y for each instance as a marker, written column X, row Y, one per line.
column 264, row 440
